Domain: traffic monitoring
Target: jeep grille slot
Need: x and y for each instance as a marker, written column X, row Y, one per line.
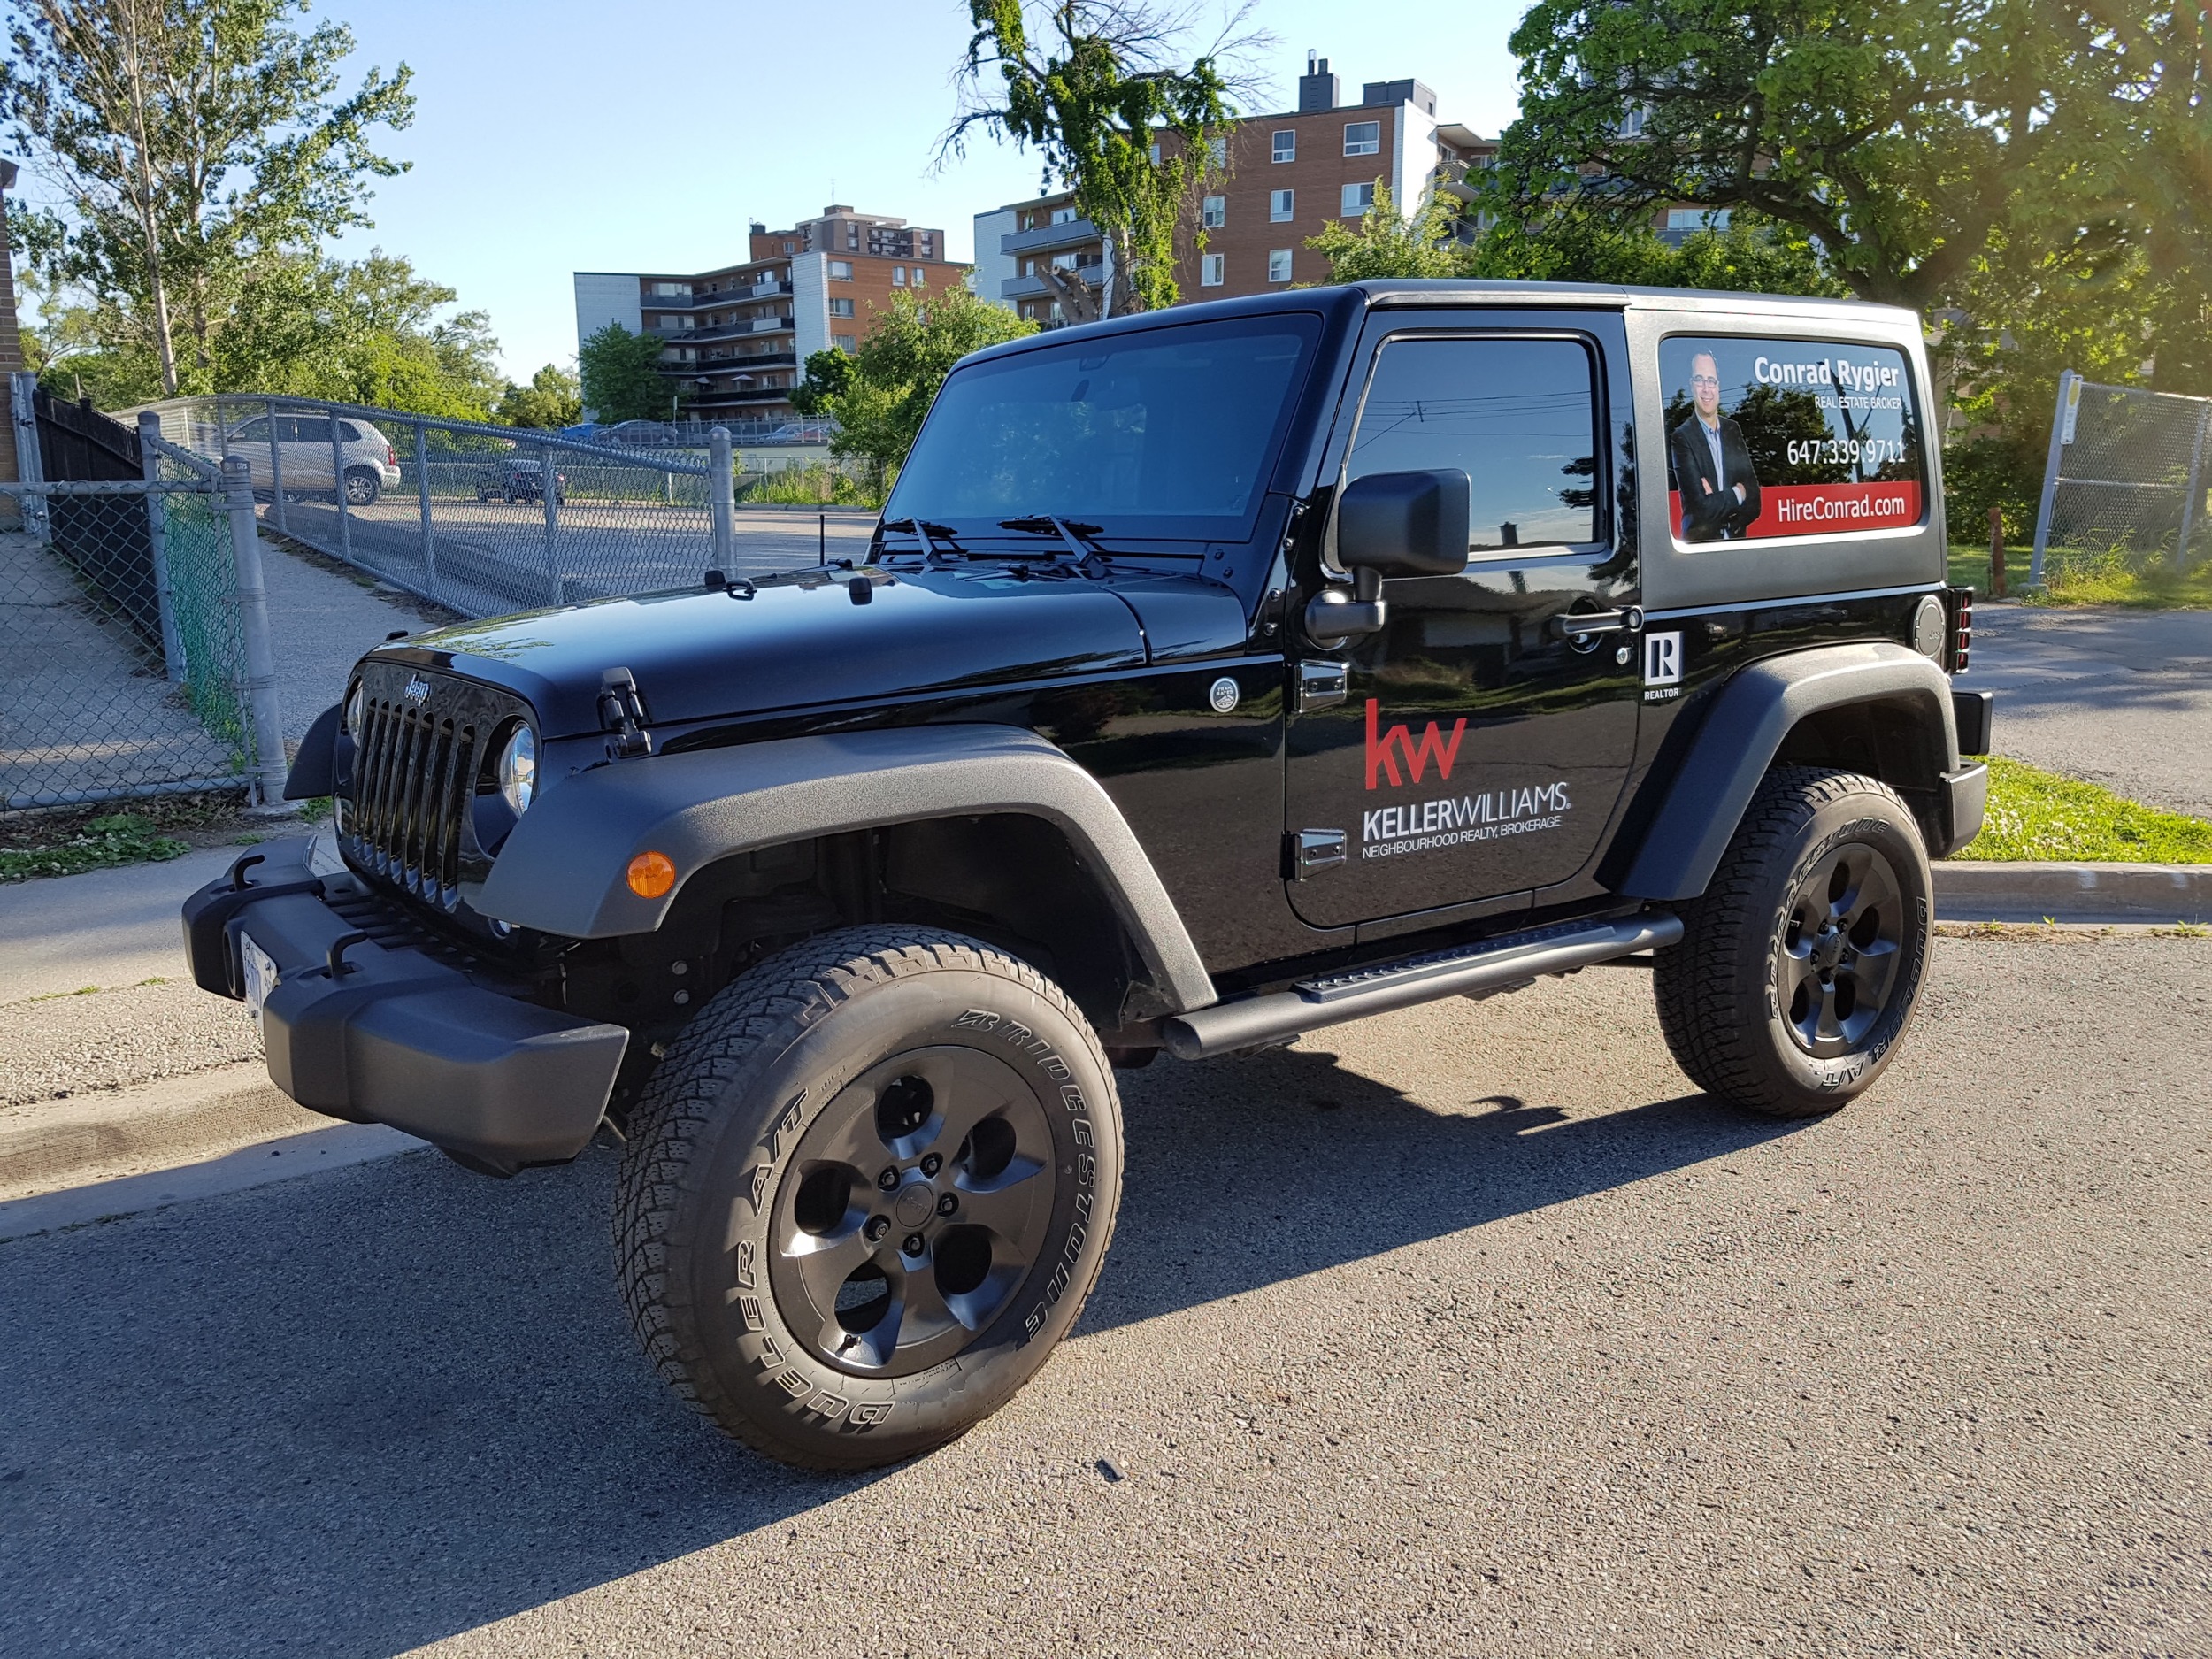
column 413, row 774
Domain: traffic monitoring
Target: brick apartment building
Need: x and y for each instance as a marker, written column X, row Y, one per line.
column 738, row 337
column 1287, row 176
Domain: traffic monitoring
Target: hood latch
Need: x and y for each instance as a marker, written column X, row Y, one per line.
column 622, row 713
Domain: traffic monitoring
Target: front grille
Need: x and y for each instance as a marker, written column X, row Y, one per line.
column 418, row 764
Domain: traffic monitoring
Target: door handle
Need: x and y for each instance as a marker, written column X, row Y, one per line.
column 1580, row 627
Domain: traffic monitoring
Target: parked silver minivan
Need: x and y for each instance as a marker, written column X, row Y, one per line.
column 300, row 456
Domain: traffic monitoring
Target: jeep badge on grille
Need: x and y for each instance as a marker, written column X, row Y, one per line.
column 416, row 688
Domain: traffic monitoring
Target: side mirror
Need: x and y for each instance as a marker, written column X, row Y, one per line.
column 1390, row 524
column 1404, row 524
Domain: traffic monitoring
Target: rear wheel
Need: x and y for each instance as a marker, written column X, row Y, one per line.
column 866, row 1193
column 363, row 487
column 1800, row 965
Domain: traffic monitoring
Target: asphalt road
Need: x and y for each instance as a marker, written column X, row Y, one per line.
column 1466, row 1330
column 2123, row 698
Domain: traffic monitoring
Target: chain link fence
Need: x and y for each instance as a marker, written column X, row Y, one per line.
column 462, row 514
column 2125, row 474
column 124, row 660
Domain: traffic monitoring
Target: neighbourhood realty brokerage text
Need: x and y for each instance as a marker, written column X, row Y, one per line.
column 1425, row 826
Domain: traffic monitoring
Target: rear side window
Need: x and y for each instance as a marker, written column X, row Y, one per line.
column 1518, row 417
column 1769, row 437
column 309, row 428
column 348, row 431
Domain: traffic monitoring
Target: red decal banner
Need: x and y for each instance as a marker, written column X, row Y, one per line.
column 1820, row 509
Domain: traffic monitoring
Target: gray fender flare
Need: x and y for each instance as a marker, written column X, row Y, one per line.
column 1752, row 712
column 562, row 870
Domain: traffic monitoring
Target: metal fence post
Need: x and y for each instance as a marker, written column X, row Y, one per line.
column 156, row 538
column 550, row 488
column 276, row 474
column 338, row 487
column 29, row 464
column 253, row 627
column 2068, row 390
column 721, row 497
column 422, row 495
column 2193, row 498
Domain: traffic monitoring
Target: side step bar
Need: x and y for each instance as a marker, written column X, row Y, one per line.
column 1495, row 964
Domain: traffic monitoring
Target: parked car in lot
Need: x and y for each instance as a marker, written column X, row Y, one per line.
column 519, row 481
column 300, row 460
column 799, row 432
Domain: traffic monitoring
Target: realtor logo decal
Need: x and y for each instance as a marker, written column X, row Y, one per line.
column 1384, row 752
column 1662, row 666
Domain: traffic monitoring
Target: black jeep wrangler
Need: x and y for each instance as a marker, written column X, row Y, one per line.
column 1215, row 675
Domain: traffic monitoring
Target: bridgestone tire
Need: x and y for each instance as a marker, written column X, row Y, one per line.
column 1722, row 992
column 756, row 1100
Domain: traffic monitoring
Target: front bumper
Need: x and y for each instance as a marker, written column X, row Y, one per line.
column 392, row 1028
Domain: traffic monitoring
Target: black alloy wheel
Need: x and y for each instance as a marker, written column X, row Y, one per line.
column 1841, row 952
column 915, row 1204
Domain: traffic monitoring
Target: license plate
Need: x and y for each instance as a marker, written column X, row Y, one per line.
column 261, row 973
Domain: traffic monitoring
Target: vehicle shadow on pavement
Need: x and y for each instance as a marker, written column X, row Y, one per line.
column 1306, row 1164
column 359, row 1413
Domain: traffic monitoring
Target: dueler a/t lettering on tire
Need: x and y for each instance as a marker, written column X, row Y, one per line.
column 867, row 1191
column 1800, row 965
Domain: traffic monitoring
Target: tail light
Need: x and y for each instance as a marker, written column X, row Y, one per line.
column 1958, row 604
column 391, row 456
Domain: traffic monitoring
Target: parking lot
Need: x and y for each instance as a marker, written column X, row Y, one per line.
column 1464, row 1330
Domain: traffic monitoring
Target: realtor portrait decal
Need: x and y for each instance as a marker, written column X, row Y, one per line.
column 1788, row 437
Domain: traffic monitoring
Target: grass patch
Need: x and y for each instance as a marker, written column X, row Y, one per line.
column 99, row 843
column 2040, row 816
column 2073, row 576
column 819, row 485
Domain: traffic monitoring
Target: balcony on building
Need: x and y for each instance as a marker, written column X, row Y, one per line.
column 1068, row 233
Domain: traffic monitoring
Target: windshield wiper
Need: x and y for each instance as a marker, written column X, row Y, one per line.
column 1087, row 553
column 923, row 530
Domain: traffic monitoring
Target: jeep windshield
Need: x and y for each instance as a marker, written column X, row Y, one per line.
column 1165, row 434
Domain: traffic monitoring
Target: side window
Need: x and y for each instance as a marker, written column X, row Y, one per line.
column 1518, row 417
column 252, row 432
column 349, row 432
column 310, row 429
column 1771, row 437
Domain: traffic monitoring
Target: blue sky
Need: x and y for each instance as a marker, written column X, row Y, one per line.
column 558, row 136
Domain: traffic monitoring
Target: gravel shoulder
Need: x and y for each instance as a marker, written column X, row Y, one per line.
column 1464, row 1330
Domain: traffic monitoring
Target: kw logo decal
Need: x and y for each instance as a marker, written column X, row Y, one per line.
column 1383, row 752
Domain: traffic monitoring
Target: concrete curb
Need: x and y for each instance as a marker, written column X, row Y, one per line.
column 1967, row 892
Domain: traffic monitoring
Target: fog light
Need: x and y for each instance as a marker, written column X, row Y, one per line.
column 652, row 875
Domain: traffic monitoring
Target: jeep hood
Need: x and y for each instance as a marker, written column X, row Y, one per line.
column 798, row 640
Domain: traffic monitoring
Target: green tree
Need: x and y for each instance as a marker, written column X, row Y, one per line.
column 1096, row 87
column 186, row 138
column 900, row 366
column 621, row 376
column 828, row 373
column 1389, row 243
column 362, row 332
column 1899, row 135
column 553, row 399
column 1560, row 246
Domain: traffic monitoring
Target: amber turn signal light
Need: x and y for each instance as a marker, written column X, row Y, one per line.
column 651, row 874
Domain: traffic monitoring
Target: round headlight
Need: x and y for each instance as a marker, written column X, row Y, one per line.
column 519, row 770
column 354, row 704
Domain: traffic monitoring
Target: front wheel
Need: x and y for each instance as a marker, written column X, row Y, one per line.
column 866, row 1193
column 1801, row 964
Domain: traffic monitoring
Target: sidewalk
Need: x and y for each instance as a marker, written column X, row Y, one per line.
column 321, row 622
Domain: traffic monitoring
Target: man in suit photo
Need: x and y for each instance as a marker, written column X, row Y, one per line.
column 1712, row 464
